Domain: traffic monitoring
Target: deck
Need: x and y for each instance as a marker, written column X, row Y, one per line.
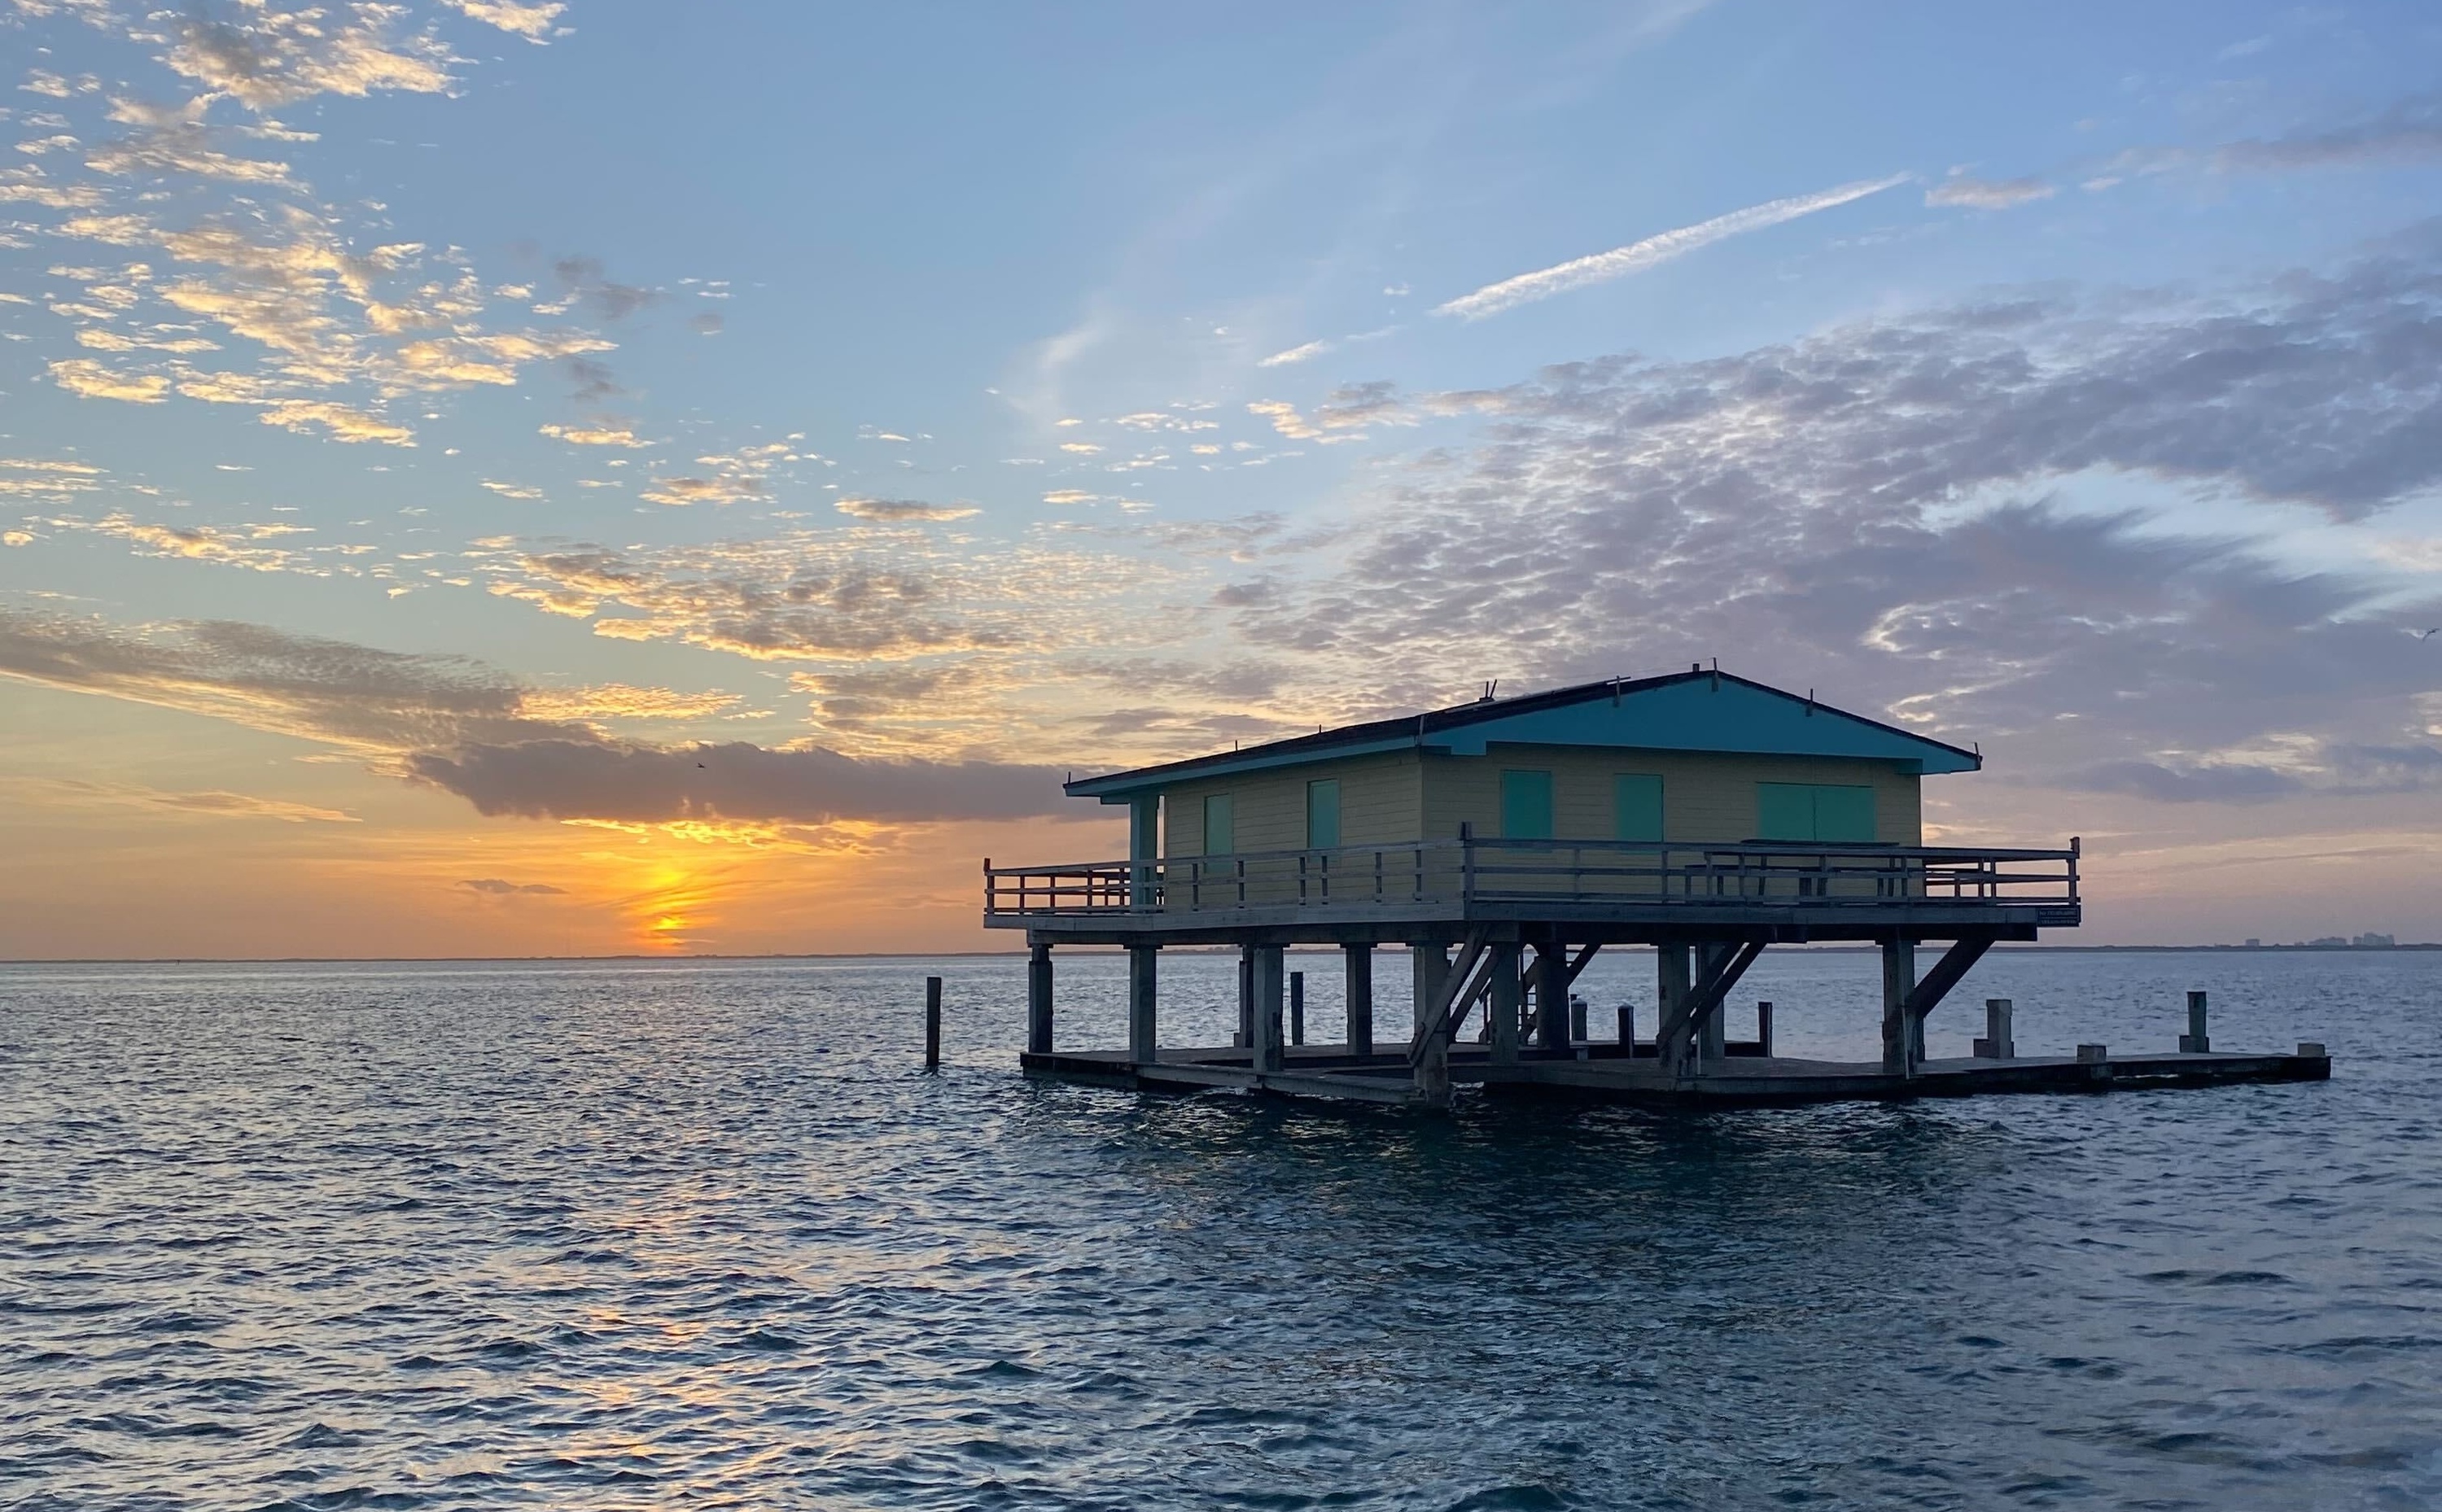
column 1599, row 1072
column 1613, row 892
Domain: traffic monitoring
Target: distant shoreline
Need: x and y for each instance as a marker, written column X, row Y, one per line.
column 1020, row 955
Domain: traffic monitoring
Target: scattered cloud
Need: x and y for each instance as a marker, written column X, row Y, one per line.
column 898, row 511
column 501, row 887
column 209, row 804
column 532, row 22
column 1282, row 359
column 596, row 435
column 1637, row 256
column 1987, row 193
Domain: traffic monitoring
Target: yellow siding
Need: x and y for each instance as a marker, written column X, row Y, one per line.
column 1380, row 803
column 1705, row 797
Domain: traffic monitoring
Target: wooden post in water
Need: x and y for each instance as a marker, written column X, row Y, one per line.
column 1038, row 1000
column 1673, row 986
column 1297, row 1008
column 1360, row 998
column 1899, row 979
column 1763, row 1027
column 932, row 1023
column 1143, row 967
column 1576, row 1019
column 1551, row 979
column 1997, row 1043
column 2195, row 1041
column 1627, row 1029
column 1267, row 962
column 1245, row 1035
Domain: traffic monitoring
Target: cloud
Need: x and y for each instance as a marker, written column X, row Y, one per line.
column 266, row 58
column 738, row 782
column 1637, row 256
column 895, row 511
column 2408, row 131
column 1069, row 495
column 1341, row 416
column 511, row 490
column 740, row 477
column 211, row 803
column 600, row 435
column 88, row 379
column 622, row 701
column 501, row 887
column 1281, row 359
column 1987, row 193
column 1871, row 509
column 532, row 22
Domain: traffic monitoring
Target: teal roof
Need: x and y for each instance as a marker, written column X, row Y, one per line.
column 1684, row 711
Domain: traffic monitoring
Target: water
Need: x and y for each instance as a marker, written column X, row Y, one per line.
column 655, row 1235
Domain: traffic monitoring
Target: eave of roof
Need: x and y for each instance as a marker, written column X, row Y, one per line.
column 1416, row 731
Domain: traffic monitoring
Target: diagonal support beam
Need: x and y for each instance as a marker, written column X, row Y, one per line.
column 1708, row 993
column 1925, row 995
column 1578, row 965
column 1465, row 982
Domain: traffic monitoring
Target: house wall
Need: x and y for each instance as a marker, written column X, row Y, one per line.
column 1397, row 796
column 1380, row 803
column 1705, row 797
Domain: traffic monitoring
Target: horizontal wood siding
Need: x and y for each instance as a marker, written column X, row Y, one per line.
column 1705, row 797
column 1380, row 802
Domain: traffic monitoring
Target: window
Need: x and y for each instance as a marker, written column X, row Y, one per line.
column 1220, row 826
column 1636, row 805
column 1525, row 805
column 1819, row 811
column 1323, row 814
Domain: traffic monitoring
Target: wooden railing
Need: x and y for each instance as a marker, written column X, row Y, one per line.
column 1470, row 871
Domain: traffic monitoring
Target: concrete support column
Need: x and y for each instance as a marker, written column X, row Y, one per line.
column 1674, row 984
column 1270, row 965
column 1899, row 978
column 1245, row 1035
column 1038, row 1000
column 1141, row 969
column 2196, row 1040
column 1506, row 1003
column 1551, row 977
column 1431, row 964
column 1360, row 998
column 1713, row 1034
column 1997, row 1044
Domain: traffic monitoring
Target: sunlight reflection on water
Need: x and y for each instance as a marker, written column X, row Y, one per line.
column 639, row 1234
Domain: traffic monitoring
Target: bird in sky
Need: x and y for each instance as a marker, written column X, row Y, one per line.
column 2427, row 635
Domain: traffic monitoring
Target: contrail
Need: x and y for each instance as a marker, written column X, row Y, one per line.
column 1637, row 256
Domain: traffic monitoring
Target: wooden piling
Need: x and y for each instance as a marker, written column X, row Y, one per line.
column 1763, row 1029
column 1360, row 959
column 1297, row 1008
column 1899, row 979
column 1997, row 1043
column 2196, row 1042
column 1144, row 1016
column 1038, row 1000
column 1626, row 1029
column 932, row 1023
column 1267, row 1058
column 1576, row 1019
column 1506, row 1004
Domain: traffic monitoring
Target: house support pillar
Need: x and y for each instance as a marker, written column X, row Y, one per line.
column 1142, row 962
column 1360, row 998
column 1673, row 986
column 1551, row 983
column 1269, row 963
column 1245, row 1035
column 1899, row 981
column 1038, row 1000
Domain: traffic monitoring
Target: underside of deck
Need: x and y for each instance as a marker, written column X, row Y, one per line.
column 1599, row 1072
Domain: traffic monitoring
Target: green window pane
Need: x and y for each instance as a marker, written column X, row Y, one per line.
column 1844, row 814
column 1636, row 799
column 1322, row 815
column 1784, row 811
column 1525, row 805
column 1220, row 826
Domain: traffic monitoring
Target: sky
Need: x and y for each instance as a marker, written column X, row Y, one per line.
column 499, row 478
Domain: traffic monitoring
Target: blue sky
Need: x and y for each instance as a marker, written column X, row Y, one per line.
column 991, row 390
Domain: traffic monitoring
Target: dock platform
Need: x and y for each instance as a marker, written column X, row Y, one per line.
column 1598, row 1072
